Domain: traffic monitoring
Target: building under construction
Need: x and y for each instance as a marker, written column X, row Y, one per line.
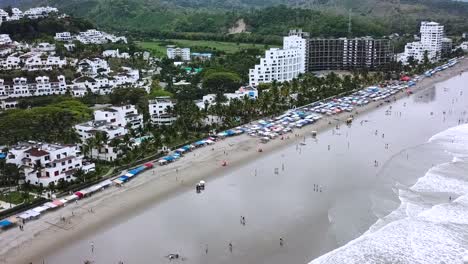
column 348, row 54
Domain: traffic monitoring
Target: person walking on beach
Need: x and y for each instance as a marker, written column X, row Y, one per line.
column 92, row 247
column 230, row 247
column 206, row 249
column 281, row 241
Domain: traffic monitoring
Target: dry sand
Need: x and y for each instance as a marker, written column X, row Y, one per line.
column 49, row 233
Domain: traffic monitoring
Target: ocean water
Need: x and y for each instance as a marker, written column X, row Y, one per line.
column 386, row 211
column 431, row 224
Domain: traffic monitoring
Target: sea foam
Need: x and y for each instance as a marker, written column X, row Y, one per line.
column 427, row 227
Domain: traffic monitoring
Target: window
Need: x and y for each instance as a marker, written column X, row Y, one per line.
column 56, row 173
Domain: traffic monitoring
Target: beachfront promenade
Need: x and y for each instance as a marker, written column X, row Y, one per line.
column 89, row 212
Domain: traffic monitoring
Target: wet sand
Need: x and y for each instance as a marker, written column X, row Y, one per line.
column 117, row 205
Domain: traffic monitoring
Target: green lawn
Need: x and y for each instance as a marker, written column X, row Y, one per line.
column 159, row 46
column 15, row 197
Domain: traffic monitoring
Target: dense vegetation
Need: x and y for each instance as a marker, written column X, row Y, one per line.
column 181, row 18
column 51, row 123
column 42, row 28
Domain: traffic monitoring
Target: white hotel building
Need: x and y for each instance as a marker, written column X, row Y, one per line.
column 432, row 35
column 43, row 163
column 281, row 64
column 159, row 111
column 113, row 121
column 175, row 52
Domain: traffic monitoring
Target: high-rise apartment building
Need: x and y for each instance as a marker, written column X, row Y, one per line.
column 432, row 35
column 348, row 54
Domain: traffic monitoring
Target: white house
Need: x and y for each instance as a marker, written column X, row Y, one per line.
column 281, row 64
column 125, row 116
column 93, row 67
column 16, row 14
column 63, row 36
column 93, row 36
column 243, row 92
column 432, row 35
column 112, row 121
column 39, row 62
column 6, row 50
column 3, row 16
column 10, row 63
column 44, row 47
column 8, row 104
column 115, row 54
column 159, row 111
column 43, row 86
column 89, row 129
column 464, row 46
column 39, row 12
column 176, row 52
column 5, row 39
column 43, row 163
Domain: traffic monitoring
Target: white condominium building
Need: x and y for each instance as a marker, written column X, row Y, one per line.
column 3, row 16
column 41, row 63
column 43, row 163
column 175, row 52
column 281, row 64
column 5, row 39
column 432, row 35
column 113, row 121
column 43, row 86
column 10, row 63
column 63, row 36
column 159, row 111
column 124, row 116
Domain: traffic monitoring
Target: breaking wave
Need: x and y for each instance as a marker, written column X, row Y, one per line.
column 431, row 223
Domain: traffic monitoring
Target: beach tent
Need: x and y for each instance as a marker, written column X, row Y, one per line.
column 5, row 223
column 209, row 142
column 169, row 158
column 405, row 78
column 29, row 214
column 149, row 165
column 40, row 209
column 180, row 150
column 162, row 162
column 50, row 205
column 79, row 194
column 57, row 202
column 124, row 178
column 105, row 183
column 94, row 188
column 200, row 143
column 117, row 181
column 186, row 148
column 72, row 197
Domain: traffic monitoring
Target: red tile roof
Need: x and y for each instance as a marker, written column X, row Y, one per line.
column 37, row 152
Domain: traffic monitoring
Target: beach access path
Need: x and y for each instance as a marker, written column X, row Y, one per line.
column 50, row 232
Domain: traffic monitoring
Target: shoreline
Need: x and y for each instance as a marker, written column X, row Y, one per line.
column 48, row 233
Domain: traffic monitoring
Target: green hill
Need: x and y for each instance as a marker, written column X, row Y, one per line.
column 166, row 18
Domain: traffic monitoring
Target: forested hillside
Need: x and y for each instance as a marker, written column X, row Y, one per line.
column 175, row 18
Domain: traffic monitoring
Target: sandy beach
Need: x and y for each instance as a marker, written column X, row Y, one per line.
column 50, row 233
